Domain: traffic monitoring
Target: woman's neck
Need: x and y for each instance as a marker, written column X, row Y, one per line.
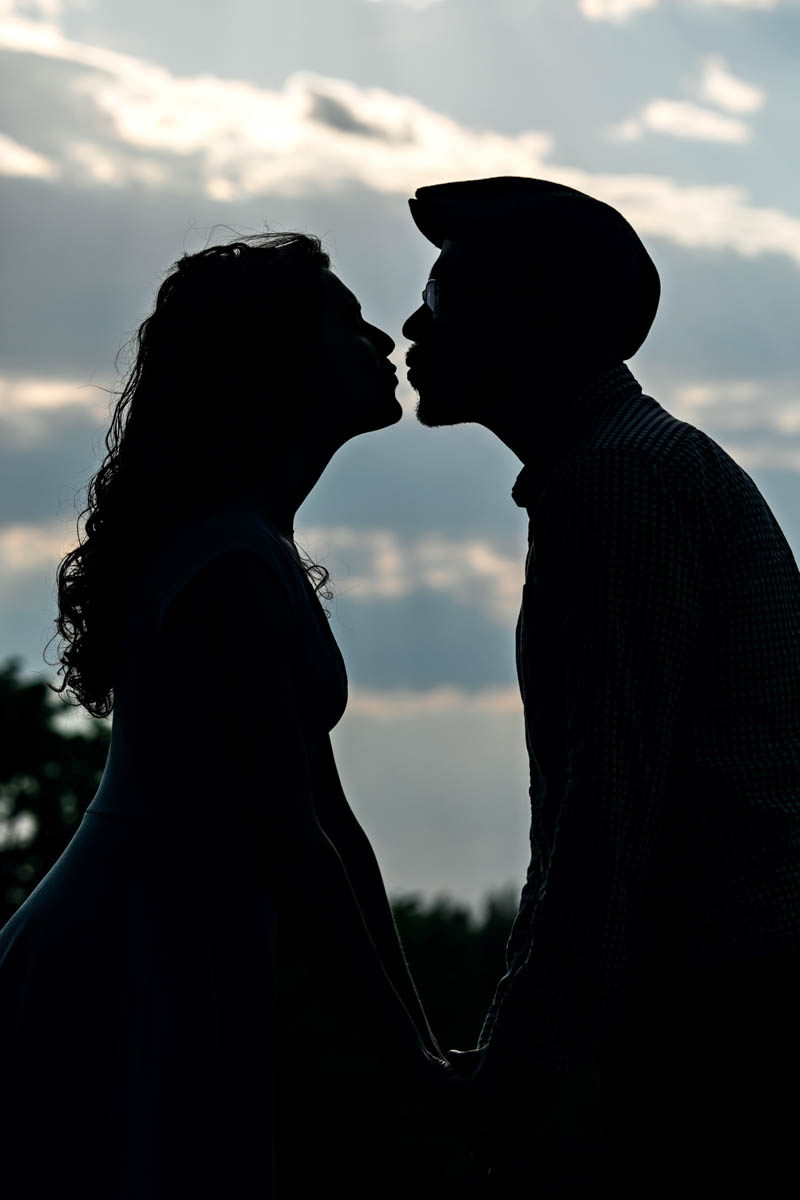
column 284, row 486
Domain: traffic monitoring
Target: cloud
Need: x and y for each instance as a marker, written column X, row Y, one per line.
column 713, row 216
column 27, row 406
column 337, row 115
column 404, row 704
column 16, row 159
column 684, row 119
column 233, row 140
column 374, row 564
column 718, row 86
column 30, row 547
column 47, row 9
column 613, row 10
column 622, row 10
column 762, row 5
column 417, row 4
column 316, row 132
column 753, row 456
column 33, row 393
column 368, row 565
column 680, row 118
column 106, row 165
column 745, row 404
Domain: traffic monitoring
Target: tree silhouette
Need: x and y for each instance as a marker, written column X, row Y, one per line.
column 456, row 959
column 47, row 778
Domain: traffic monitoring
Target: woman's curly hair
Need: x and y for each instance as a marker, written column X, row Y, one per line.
column 221, row 364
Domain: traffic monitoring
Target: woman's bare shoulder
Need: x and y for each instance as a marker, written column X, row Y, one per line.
column 232, row 587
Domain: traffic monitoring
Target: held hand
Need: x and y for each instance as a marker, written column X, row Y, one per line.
column 422, row 1068
column 433, row 1061
column 466, row 1062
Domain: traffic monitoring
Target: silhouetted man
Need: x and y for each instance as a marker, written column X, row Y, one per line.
column 651, row 968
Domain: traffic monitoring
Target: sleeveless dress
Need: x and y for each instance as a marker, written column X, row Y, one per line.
column 138, row 1003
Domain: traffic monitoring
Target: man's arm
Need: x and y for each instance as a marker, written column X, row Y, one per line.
column 355, row 850
column 517, row 945
column 619, row 579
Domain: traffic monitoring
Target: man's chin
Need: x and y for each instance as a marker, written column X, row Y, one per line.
column 433, row 413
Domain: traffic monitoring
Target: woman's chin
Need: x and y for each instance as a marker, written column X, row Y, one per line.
column 398, row 412
column 383, row 410
column 383, row 417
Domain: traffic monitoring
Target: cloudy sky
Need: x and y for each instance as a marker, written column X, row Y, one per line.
column 133, row 133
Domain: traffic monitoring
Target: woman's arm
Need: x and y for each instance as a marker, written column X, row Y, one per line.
column 355, row 850
column 231, row 637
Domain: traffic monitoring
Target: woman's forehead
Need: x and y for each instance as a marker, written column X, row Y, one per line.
column 338, row 291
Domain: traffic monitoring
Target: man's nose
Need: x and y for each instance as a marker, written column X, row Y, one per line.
column 415, row 324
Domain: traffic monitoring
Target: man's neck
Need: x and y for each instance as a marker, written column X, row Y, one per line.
column 529, row 429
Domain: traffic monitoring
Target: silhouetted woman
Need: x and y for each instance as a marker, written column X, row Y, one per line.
column 138, row 989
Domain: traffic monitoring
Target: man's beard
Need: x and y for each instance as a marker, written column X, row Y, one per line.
column 445, row 397
column 448, row 409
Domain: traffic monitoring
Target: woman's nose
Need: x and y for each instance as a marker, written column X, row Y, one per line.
column 381, row 340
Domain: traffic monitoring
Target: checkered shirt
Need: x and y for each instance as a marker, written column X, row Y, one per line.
column 658, row 656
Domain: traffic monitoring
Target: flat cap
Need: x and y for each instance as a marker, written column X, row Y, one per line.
column 587, row 245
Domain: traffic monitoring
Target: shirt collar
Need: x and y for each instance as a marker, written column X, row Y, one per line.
column 577, row 417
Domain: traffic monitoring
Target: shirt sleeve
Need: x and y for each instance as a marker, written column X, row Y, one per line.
column 516, row 947
column 619, row 575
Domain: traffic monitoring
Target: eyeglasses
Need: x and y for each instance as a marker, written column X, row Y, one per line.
column 430, row 296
